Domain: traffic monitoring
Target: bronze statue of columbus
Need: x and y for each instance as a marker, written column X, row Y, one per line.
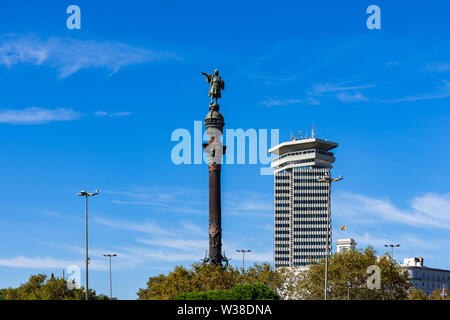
column 216, row 84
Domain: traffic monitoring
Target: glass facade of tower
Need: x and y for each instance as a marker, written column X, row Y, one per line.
column 300, row 216
column 300, row 202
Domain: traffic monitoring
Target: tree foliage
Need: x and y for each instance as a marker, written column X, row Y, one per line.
column 206, row 277
column 417, row 294
column 347, row 278
column 436, row 295
column 255, row 291
column 39, row 287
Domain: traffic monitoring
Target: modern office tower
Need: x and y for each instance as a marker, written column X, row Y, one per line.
column 300, row 201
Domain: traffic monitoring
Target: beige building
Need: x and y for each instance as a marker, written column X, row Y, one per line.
column 345, row 244
column 425, row 278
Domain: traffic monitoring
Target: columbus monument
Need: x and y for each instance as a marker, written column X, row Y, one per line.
column 214, row 124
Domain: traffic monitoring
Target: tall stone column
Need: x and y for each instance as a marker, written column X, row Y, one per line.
column 214, row 123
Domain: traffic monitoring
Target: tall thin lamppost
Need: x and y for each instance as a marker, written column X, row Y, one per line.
column 392, row 246
column 328, row 180
column 85, row 194
column 348, row 290
column 110, row 278
column 243, row 261
column 443, row 293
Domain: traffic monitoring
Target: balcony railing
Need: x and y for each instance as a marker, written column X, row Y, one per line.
column 303, row 152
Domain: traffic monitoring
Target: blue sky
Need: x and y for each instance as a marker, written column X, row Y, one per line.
column 96, row 107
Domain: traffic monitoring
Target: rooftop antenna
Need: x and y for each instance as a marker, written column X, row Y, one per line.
column 299, row 134
column 306, row 135
column 313, row 134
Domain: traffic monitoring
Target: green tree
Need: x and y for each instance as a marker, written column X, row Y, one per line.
column 263, row 273
column 206, row 277
column 254, row 291
column 417, row 294
column 39, row 287
column 347, row 277
column 436, row 295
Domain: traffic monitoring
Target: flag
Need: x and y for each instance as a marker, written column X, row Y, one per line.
column 344, row 228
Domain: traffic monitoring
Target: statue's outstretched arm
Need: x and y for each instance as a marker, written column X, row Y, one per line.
column 208, row 76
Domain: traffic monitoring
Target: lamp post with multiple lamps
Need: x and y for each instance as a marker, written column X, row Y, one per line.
column 328, row 180
column 243, row 253
column 110, row 278
column 392, row 246
column 85, row 194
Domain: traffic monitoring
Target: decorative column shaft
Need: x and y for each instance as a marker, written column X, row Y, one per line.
column 215, row 215
column 214, row 124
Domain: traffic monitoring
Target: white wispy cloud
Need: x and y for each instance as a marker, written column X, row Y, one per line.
column 276, row 101
column 62, row 216
column 166, row 249
column 438, row 67
column 111, row 114
column 165, row 242
column 248, row 204
column 441, row 92
column 70, row 55
column 144, row 255
column 323, row 88
column 409, row 242
column 412, row 240
column 152, row 228
column 145, row 226
column 185, row 241
column 192, row 201
column 35, row 115
column 270, row 79
column 174, row 199
column 179, row 244
column 45, row 263
column 165, row 193
column 341, row 91
column 428, row 210
column 136, row 253
column 253, row 256
column 192, row 227
column 348, row 98
column 100, row 113
column 180, row 241
column 186, row 208
column 420, row 227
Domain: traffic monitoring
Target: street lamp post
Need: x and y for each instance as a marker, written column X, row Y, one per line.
column 443, row 293
column 392, row 246
column 243, row 253
column 348, row 290
column 110, row 278
column 328, row 180
column 85, row 194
